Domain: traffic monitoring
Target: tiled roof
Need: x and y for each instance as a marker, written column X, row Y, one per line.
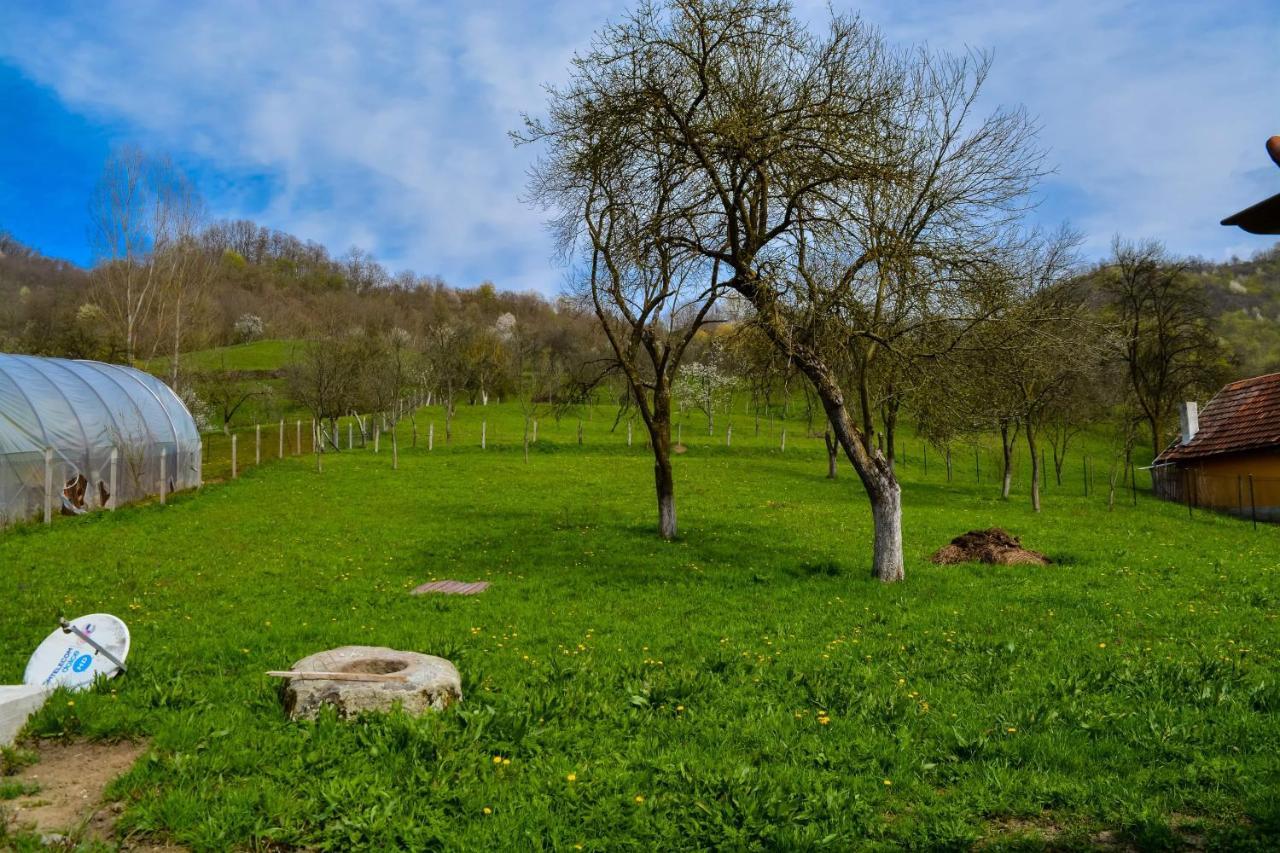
column 1244, row 415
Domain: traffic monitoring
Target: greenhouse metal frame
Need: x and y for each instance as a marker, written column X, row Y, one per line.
column 79, row 435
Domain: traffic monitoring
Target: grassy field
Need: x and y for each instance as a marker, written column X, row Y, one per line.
column 257, row 356
column 747, row 687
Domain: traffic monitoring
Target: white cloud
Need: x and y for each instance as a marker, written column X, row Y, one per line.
column 385, row 125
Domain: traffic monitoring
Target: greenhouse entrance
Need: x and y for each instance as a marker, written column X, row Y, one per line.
column 80, row 435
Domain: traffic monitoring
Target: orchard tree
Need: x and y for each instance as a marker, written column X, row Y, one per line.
column 613, row 193
column 1164, row 341
column 848, row 192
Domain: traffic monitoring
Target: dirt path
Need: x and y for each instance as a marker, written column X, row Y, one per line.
column 68, row 803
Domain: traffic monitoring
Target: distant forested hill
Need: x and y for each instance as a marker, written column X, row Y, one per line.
column 1244, row 302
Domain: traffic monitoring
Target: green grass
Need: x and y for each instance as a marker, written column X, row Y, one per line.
column 257, row 356
column 1131, row 688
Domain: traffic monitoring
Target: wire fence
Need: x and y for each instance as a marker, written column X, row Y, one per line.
column 1243, row 494
column 228, row 454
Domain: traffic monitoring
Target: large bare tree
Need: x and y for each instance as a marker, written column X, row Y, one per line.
column 847, row 190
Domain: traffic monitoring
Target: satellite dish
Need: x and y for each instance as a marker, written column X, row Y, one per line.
column 67, row 659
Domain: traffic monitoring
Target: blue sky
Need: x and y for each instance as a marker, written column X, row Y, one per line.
column 384, row 124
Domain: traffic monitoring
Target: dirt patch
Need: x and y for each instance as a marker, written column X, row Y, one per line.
column 67, row 805
column 993, row 545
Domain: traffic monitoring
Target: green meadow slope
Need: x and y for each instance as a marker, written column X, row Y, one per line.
column 746, row 687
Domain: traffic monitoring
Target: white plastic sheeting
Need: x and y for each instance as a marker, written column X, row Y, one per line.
column 82, row 410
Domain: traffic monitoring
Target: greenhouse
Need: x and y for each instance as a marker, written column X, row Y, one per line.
column 80, row 435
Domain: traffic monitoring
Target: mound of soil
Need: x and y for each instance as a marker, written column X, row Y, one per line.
column 994, row 545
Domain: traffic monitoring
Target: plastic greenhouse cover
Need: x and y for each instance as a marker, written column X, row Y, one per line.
column 82, row 410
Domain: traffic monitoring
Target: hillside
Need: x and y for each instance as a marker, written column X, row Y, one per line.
column 1244, row 300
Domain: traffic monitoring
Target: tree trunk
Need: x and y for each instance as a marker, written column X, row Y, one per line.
column 1154, row 423
column 883, row 491
column 833, row 457
column 1007, row 439
column 1035, row 464
column 665, row 485
column 886, row 511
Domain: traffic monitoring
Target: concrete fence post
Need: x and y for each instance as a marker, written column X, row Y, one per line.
column 535, row 430
column 233, row 455
column 395, row 451
column 783, row 447
column 48, row 485
column 728, row 435
column 297, row 438
column 164, row 477
column 431, row 436
column 628, row 433
column 484, row 433
column 350, row 436
column 257, row 444
column 281, row 438
column 377, row 438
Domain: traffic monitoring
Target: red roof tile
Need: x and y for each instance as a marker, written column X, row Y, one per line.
column 1244, row 415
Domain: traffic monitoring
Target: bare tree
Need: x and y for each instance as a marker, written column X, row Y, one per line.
column 129, row 218
column 1165, row 343
column 847, row 191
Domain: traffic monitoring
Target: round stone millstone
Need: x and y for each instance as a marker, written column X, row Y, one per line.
column 428, row 683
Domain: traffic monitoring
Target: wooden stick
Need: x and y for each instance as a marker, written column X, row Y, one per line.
column 338, row 676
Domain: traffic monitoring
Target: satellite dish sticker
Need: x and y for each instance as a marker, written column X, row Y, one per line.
column 82, row 663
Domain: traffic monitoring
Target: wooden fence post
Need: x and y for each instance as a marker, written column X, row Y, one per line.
column 1084, row 465
column 1253, row 506
column 535, row 430
column 350, row 436
column 628, row 433
column 113, row 500
column 484, row 432
column 728, row 435
column 783, row 447
column 297, row 438
column 1133, row 482
column 199, row 463
column 48, row 485
column 164, row 478
column 579, row 432
column 257, row 444
column 377, row 439
column 395, row 451
column 233, row 455
column 431, row 436
column 282, row 438
column 679, row 433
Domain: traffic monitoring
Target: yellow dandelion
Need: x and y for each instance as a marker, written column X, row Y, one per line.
column 71, row 703
column 679, row 708
column 887, row 783
column 497, row 759
column 506, row 761
column 1102, row 645
column 488, row 810
column 1011, row 729
column 571, row 777
column 639, row 798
